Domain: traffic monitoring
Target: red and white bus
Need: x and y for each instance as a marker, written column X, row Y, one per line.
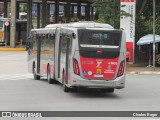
column 79, row 55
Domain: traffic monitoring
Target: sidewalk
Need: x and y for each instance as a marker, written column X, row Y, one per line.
column 12, row 49
column 8, row 48
column 143, row 69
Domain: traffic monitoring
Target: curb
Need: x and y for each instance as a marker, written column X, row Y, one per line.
column 12, row 49
column 145, row 72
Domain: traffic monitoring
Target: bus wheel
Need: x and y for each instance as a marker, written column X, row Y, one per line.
column 36, row 77
column 74, row 89
column 110, row 90
column 50, row 80
column 65, row 88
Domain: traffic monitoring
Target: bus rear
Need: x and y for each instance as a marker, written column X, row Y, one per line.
column 99, row 59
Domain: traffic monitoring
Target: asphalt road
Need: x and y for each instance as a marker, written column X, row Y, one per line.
column 19, row 92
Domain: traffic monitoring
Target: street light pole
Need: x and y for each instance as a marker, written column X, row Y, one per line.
column 154, row 15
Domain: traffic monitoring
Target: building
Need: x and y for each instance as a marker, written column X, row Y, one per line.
column 43, row 12
column 1, row 8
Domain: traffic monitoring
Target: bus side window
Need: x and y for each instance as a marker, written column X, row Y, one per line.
column 43, row 41
column 37, row 36
column 51, row 38
column 28, row 43
column 36, row 39
column 69, row 40
column 115, row 39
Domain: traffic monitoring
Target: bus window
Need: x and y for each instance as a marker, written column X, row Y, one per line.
column 1, row 24
column 64, row 43
column 22, row 15
column 100, row 38
column 35, row 38
column 51, row 41
column 1, row 31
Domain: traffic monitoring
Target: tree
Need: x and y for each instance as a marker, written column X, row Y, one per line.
column 23, row 7
column 109, row 11
column 144, row 18
column 106, row 10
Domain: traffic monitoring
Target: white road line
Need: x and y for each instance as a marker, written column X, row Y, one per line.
column 15, row 77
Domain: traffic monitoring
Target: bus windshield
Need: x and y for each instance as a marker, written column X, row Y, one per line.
column 102, row 39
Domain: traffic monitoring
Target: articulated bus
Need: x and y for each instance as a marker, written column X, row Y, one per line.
column 79, row 55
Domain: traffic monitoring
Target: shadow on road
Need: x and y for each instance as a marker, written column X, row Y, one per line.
column 84, row 92
column 89, row 93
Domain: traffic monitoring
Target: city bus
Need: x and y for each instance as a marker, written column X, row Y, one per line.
column 79, row 55
column 21, row 29
column 2, row 29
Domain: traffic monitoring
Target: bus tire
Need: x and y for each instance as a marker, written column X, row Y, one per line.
column 36, row 77
column 74, row 89
column 50, row 80
column 65, row 88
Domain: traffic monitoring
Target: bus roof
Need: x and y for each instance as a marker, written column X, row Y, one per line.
column 43, row 30
column 5, row 19
column 22, row 13
column 89, row 25
column 55, row 25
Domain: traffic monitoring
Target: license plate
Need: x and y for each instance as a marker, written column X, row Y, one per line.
column 98, row 71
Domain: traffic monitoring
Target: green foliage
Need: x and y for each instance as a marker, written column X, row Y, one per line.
column 101, row 20
column 144, row 18
column 147, row 25
column 158, row 25
column 109, row 11
column 23, row 7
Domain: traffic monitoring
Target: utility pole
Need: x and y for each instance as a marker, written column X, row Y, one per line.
column 154, row 15
column 13, row 24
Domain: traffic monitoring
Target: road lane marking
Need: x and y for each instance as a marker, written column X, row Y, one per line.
column 16, row 77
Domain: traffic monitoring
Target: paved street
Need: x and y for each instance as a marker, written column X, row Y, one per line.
column 19, row 92
column 13, row 63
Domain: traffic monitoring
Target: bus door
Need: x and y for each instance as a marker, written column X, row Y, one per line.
column 99, row 54
column 68, row 58
column 59, row 56
column 39, row 53
column 64, row 55
column 57, row 53
column 34, row 51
